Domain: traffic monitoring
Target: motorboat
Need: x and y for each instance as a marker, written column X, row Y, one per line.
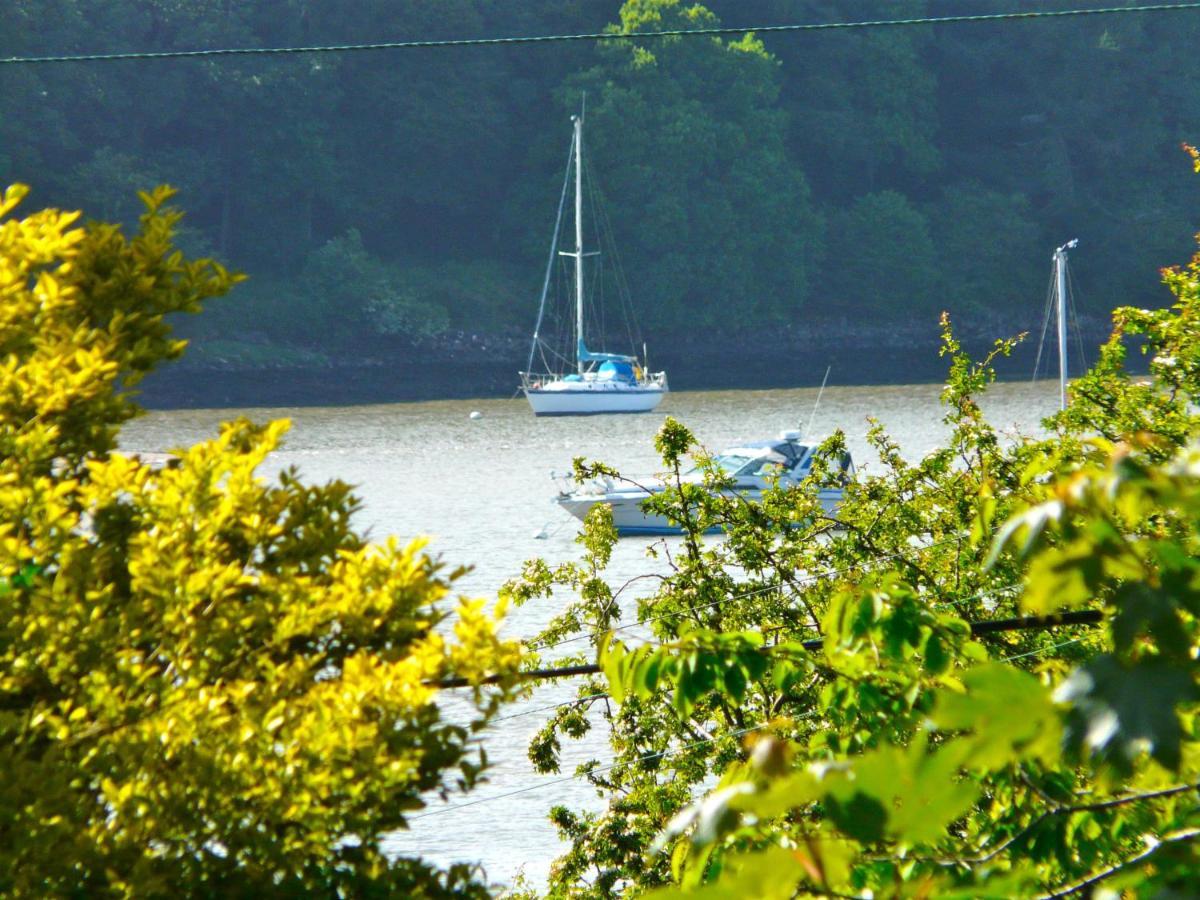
column 602, row 382
column 753, row 467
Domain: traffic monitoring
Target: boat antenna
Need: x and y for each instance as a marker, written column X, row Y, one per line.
column 813, row 414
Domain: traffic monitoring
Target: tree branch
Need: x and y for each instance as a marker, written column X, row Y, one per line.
column 1066, row 891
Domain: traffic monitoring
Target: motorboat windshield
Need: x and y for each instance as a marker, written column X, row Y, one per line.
column 763, row 460
column 731, row 463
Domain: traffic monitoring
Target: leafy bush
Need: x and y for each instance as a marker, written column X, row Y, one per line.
column 871, row 728
column 209, row 685
column 350, row 287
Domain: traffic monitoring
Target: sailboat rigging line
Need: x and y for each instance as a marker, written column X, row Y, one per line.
column 633, row 327
column 595, row 298
column 1074, row 313
column 562, row 199
column 1045, row 326
column 599, row 37
column 596, row 303
column 813, row 415
column 606, row 236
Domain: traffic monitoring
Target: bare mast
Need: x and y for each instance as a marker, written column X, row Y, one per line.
column 1060, row 280
column 578, row 252
column 579, row 238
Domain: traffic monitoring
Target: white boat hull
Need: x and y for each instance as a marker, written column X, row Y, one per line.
column 594, row 398
column 630, row 519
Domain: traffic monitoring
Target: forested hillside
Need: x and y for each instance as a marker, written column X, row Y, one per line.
column 385, row 197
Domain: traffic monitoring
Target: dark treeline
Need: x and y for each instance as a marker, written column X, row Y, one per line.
column 389, row 196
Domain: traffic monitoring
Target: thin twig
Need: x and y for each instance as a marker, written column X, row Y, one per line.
column 1096, row 878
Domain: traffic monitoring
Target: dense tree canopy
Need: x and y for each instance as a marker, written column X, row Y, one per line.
column 213, row 684
column 209, row 685
column 885, row 698
column 739, row 173
column 209, row 679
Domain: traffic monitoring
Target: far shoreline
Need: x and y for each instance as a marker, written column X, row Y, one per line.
column 487, row 369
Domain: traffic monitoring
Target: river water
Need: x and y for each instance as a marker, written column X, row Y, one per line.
column 480, row 488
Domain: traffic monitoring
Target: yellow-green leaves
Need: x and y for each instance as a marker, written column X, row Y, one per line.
column 906, row 795
column 209, row 683
column 1008, row 715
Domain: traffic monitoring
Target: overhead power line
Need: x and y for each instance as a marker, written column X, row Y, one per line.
column 580, row 700
column 599, row 36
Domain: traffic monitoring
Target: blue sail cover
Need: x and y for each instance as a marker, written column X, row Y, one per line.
column 585, row 355
column 615, row 371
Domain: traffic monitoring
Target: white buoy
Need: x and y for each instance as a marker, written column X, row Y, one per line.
column 476, row 414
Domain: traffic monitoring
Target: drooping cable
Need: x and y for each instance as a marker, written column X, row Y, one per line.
column 982, row 595
column 598, row 37
column 1073, row 311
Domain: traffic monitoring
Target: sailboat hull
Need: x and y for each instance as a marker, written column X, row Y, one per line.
column 589, row 399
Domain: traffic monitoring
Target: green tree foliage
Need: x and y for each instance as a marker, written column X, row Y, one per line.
column 863, row 107
column 720, row 159
column 1062, row 123
column 979, row 235
column 344, row 285
column 209, row 684
column 888, row 262
column 688, row 141
column 865, row 737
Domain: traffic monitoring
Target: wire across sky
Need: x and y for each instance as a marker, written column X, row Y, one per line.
column 597, row 37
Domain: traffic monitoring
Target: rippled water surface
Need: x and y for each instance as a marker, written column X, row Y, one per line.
column 480, row 489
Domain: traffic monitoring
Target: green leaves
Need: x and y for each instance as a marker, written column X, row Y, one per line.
column 700, row 664
column 1062, row 577
column 672, row 442
column 1009, row 716
column 908, row 795
column 1120, row 712
column 906, row 756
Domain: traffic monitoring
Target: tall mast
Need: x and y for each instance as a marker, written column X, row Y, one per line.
column 578, row 120
column 1060, row 281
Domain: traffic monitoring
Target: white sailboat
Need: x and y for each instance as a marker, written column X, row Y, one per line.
column 602, row 383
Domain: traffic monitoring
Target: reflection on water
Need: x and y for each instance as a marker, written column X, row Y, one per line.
column 480, row 489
